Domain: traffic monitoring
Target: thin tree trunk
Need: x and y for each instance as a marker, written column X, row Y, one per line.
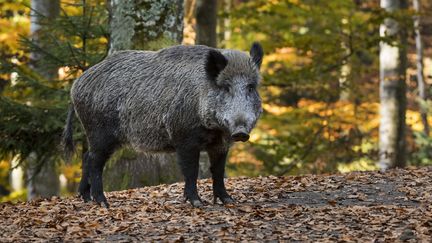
column 224, row 23
column 206, row 20
column 345, row 72
column 46, row 182
column 420, row 67
column 392, row 90
column 144, row 25
column 227, row 20
column 16, row 175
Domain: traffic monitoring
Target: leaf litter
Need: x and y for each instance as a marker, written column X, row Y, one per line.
column 359, row 206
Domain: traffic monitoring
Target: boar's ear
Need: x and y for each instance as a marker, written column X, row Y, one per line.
column 256, row 53
column 215, row 63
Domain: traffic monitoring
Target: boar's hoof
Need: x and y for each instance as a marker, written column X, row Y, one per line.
column 197, row 203
column 103, row 204
column 225, row 199
column 101, row 200
column 85, row 197
column 194, row 199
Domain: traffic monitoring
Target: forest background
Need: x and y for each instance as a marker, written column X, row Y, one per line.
column 326, row 92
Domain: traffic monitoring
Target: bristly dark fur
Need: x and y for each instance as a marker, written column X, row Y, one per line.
column 166, row 101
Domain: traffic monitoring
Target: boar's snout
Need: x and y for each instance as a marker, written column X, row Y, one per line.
column 240, row 135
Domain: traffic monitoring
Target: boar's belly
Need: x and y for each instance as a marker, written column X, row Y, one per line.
column 151, row 140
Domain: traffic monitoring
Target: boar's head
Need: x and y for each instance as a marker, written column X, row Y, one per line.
column 232, row 98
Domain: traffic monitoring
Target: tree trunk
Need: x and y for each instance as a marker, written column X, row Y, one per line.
column 43, row 183
column 49, row 9
column 16, row 177
column 224, row 23
column 46, row 182
column 420, row 69
column 206, row 19
column 227, row 21
column 143, row 25
column 392, row 90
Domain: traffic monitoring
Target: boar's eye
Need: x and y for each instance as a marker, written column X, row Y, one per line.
column 251, row 87
column 226, row 88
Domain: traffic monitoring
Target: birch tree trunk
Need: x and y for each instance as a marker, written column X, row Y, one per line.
column 224, row 23
column 420, row 68
column 143, row 25
column 45, row 183
column 392, row 90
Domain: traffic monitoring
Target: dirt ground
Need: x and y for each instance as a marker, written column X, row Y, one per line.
column 361, row 206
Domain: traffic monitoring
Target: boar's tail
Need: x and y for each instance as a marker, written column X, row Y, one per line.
column 67, row 140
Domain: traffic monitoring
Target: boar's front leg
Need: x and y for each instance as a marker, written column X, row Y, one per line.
column 217, row 167
column 189, row 163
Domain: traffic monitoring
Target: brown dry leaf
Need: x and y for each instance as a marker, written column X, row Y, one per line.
column 246, row 209
column 332, row 202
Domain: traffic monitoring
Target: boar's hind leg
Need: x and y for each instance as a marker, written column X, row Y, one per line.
column 189, row 164
column 217, row 168
column 84, row 187
column 99, row 152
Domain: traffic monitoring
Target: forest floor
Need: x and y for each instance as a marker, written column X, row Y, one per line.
column 359, row 206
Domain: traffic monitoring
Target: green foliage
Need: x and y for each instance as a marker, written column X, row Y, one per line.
column 423, row 155
column 320, row 81
column 18, row 196
column 317, row 53
column 307, row 42
column 33, row 108
column 25, row 129
column 313, row 138
column 76, row 40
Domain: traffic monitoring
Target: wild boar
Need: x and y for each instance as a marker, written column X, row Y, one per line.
column 182, row 99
